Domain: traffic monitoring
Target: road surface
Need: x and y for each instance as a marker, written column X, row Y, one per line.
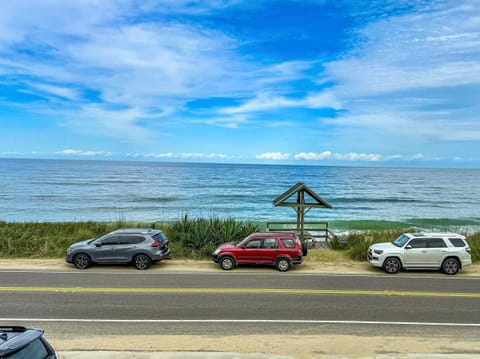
column 121, row 301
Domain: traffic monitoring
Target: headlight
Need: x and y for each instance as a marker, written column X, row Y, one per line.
column 378, row 251
column 216, row 251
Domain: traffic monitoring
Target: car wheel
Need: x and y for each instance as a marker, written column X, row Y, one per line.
column 304, row 249
column 283, row 264
column 142, row 261
column 227, row 263
column 81, row 261
column 450, row 266
column 392, row 265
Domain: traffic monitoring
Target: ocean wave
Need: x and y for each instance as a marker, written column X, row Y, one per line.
column 374, row 200
column 155, row 199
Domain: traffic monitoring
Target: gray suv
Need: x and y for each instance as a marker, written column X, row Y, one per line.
column 449, row 252
column 24, row 343
column 138, row 246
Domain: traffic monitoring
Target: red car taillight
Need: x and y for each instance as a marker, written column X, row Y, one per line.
column 157, row 244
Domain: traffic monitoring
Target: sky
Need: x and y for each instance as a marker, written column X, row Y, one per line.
column 312, row 82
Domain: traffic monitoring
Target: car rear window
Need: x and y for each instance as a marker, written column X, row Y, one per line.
column 34, row 350
column 159, row 237
column 457, row 242
column 288, row 243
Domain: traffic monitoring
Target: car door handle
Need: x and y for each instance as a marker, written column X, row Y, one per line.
column 424, row 252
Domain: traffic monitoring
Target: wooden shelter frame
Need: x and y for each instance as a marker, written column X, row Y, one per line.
column 305, row 200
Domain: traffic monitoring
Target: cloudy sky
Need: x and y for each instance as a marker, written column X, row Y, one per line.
column 317, row 82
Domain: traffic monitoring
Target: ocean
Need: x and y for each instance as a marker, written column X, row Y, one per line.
column 76, row 190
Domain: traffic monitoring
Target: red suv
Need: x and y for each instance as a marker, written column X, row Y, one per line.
column 275, row 248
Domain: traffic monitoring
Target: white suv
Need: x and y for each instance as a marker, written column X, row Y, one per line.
column 448, row 251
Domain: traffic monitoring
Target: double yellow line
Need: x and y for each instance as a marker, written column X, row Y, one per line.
column 241, row 291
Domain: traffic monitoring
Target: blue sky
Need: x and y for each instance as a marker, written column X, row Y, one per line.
column 314, row 82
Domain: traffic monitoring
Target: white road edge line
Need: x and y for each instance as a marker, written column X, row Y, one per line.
column 248, row 321
column 179, row 272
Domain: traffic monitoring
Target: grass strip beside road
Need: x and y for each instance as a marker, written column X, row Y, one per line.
column 241, row 291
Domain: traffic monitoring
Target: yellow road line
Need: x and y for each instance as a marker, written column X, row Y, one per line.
column 241, row 291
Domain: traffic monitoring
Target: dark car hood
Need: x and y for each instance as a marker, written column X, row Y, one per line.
column 81, row 243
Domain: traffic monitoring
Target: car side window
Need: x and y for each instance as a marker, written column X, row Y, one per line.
column 418, row 243
column 436, row 243
column 112, row 240
column 254, row 243
column 288, row 243
column 269, row 243
column 131, row 239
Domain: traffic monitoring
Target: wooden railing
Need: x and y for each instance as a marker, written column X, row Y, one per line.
column 316, row 232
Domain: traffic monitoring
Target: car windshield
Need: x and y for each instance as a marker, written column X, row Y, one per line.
column 400, row 241
column 239, row 242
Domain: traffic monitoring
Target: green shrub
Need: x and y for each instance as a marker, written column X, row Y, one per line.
column 198, row 238
column 356, row 243
column 474, row 243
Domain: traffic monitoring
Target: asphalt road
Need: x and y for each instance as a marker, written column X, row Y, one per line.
column 125, row 301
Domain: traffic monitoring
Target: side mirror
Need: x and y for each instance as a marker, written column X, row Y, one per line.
column 408, row 247
column 98, row 244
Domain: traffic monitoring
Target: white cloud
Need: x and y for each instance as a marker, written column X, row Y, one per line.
column 266, row 102
column 412, row 77
column 135, row 69
column 50, row 90
column 313, row 156
column 369, row 157
column 343, row 157
column 182, row 155
column 100, row 120
column 276, row 156
column 114, row 67
column 233, row 121
column 71, row 152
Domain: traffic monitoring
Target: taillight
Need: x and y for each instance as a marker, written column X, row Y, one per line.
column 468, row 250
column 157, row 244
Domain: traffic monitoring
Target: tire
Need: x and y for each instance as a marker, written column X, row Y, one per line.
column 81, row 261
column 392, row 265
column 282, row 264
column 450, row 266
column 227, row 263
column 304, row 249
column 142, row 261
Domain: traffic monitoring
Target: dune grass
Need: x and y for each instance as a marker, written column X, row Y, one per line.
column 193, row 238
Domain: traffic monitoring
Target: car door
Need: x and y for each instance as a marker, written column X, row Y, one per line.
column 437, row 250
column 104, row 251
column 249, row 252
column 268, row 250
column 127, row 247
column 415, row 254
